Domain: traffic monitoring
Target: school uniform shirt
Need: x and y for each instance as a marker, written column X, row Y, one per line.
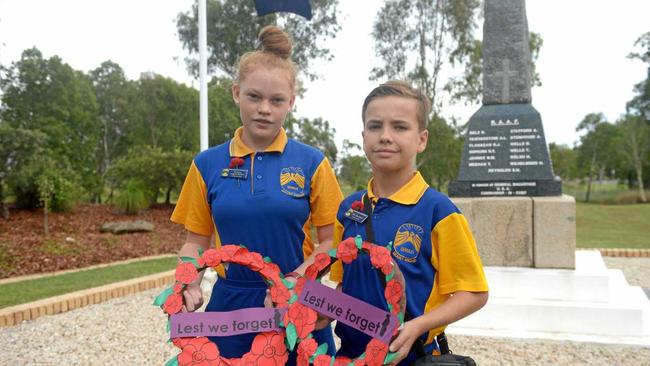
column 432, row 244
column 288, row 187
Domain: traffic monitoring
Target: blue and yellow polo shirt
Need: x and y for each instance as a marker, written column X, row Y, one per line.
column 289, row 187
column 432, row 244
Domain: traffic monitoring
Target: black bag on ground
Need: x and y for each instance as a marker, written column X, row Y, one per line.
column 445, row 359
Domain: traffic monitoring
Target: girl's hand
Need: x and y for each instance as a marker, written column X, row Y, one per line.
column 192, row 297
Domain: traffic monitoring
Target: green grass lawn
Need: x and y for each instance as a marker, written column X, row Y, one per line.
column 40, row 288
column 613, row 226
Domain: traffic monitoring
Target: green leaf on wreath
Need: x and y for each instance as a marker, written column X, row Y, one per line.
column 332, row 253
column 191, row 260
column 400, row 316
column 200, row 251
column 172, row 362
column 162, row 297
column 390, row 357
column 287, row 284
column 169, row 324
column 267, row 259
column 390, row 275
column 321, row 350
column 358, row 241
column 390, row 246
column 293, row 299
column 390, row 308
column 292, row 336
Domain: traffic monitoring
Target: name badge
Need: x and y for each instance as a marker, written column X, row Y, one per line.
column 234, row 173
column 356, row 216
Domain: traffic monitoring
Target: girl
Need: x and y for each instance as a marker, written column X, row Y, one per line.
column 259, row 189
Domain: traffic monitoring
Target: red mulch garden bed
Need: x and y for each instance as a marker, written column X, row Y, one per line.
column 75, row 241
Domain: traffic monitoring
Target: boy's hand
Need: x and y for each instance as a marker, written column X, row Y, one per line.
column 402, row 344
column 192, row 297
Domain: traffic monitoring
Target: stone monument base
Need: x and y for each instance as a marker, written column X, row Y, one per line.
column 522, row 231
column 591, row 304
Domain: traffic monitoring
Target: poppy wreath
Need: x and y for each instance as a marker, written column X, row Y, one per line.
column 268, row 348
column 300, row 320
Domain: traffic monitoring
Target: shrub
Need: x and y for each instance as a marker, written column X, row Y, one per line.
column 132, row 198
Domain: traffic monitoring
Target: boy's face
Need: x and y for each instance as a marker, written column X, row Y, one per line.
column 391, row 136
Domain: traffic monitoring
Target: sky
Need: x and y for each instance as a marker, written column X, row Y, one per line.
column 583, row 62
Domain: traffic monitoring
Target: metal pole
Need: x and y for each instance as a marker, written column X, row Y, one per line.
column 203, row 78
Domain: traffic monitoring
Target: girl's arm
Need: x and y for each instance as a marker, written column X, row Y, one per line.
column 192, row 295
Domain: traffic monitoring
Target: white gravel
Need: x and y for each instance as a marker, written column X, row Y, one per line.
column 130, row 331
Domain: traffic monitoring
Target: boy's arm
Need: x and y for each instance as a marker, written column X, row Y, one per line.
column 456, row 307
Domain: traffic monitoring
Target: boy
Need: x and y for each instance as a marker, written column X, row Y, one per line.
column 432, row 243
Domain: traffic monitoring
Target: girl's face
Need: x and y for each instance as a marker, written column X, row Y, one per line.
column 264, row 96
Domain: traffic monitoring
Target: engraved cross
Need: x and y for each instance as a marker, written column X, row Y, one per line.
column 506, row 74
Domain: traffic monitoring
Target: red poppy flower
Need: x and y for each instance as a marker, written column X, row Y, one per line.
column 380, row 258
column 322, row 260
column 311, row 272
column 306, row 348
column 178, row 288
column 302, row 317
column 270, row 270
column 376, row 352
column 211, row 257
column 173, row 304
column 347, row 251
column 297, row 288
column 393, row 291
column 200, row 262
column 357, row 205
column 342, row 361
column 280, row 294
column 270, row 349
column 186, row 273
column 323, row 360
column 229, row 251
column 201, row 352
column 235, row 163
column 366, row 245
column 256, row 262
column 181, row 342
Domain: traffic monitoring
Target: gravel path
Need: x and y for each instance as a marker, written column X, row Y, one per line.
column 130, row 331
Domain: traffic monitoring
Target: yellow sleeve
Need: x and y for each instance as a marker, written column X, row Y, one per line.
column 325, row 195
column 456, row 258
column 336, row 270
column 192, row 209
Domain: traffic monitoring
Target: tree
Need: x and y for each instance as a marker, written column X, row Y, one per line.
column 640, row 104
column 564, row 161
column 416, row 38
column 223, row 113
column 114, row 97
column 635, row 133
column 316, row 133
column 167, row 114
column 18, row 148
column 233, row 27
column 597, row 150
column 440, row 160
column 48, row 96
column 353, row 168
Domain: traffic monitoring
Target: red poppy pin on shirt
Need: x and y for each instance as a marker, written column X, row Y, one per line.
column 235, row 170
column 355, row 212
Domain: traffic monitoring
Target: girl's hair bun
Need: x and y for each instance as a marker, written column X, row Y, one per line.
column 274, row 40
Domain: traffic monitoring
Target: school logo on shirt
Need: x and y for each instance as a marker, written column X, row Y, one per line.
column 407, row 243
column 292, row 182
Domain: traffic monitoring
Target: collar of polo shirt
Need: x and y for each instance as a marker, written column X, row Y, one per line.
column 239, row 149
column 409, row 194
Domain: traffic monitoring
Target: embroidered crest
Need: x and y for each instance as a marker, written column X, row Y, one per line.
column 408, row 241
column 292, row 181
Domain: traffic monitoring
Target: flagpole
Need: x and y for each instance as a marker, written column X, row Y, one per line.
column 203, row 70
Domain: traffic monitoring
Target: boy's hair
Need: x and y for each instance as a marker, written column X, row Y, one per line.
column 398, row 88
column 275, row 53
